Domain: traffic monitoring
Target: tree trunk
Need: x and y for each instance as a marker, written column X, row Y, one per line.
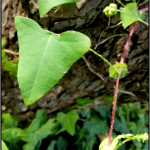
column 88, row 77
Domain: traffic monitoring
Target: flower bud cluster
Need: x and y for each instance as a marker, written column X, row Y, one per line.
column 110, row 10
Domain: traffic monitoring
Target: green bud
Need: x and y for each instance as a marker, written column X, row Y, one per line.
column 110, row 10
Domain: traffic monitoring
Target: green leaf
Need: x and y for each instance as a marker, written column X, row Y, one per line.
column 83, row 101
column 37, row 122
column 10, row 132
column 4, row 147
column 46, row 5
column 103, row 145
column 4, row 58
column 12, row 67
column 50, row 127
column 68, row 120
column 118, row 66
column 35, row 138
column 9, row 121
column 130, row 14
column 45, row 57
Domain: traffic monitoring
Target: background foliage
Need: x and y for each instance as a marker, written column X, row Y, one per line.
column 90, row 129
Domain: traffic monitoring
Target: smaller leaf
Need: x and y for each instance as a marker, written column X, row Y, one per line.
column 119, row 66
column 68, row 120
column 4, row 147
column 130, row 14
column 83, row 101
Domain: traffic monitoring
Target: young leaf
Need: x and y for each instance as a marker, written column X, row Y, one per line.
column 130, row 14
column 46, row 5
column 83, row 101
column 68, row 120
column 118, row 66
column 45, row 57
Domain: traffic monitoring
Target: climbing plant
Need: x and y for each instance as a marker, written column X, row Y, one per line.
column 45, row 56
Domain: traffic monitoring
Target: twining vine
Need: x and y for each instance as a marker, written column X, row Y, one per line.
column 44, row 57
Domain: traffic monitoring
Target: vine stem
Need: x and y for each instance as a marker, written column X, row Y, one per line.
column 127, row 43
column 104, row 60
column 117, row 83
column 113, row 111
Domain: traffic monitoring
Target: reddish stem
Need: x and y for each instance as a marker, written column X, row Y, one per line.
column 144, row 9
column 113, row 110
column 117, row 83
column 117, row 80
column 127, row 43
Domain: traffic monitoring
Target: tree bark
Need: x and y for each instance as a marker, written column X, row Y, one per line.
column 88, row 77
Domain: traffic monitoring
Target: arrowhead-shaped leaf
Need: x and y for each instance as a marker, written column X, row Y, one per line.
column 46, row 5
column 130, row 14
column 68, row 120
column 45, row 57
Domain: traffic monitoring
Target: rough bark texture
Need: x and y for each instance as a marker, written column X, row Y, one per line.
column 79, row 82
